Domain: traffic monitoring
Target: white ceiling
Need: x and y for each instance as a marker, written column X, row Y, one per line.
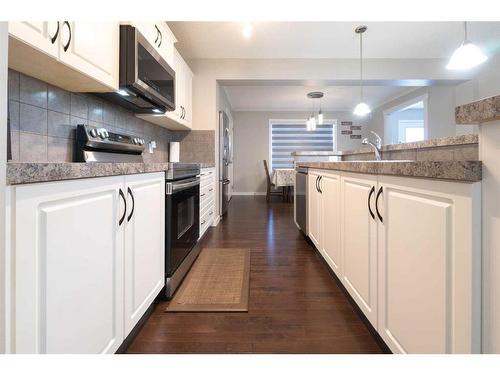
column 286, row 98
column 330, row 39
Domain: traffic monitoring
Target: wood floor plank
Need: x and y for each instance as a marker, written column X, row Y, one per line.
column 295, row 305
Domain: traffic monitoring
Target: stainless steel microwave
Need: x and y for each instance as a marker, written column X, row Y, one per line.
column 147, row 82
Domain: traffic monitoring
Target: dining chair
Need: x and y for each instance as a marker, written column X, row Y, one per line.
column 270, row 185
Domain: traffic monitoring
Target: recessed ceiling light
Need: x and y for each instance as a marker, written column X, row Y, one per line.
column 247, row 31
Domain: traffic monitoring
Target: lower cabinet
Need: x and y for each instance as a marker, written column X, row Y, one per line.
column 409, row 255
column 207, row 199
column 86, row 263
column 144, row 245
column 313, row 208
column 359, row 242
column 429, row 266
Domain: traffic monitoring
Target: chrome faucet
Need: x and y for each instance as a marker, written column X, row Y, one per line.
column 377, row 146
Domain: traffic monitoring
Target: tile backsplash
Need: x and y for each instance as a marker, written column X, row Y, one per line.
column 43, row 119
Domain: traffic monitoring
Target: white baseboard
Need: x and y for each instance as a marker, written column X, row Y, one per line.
column 249, row 193
column 216, row 221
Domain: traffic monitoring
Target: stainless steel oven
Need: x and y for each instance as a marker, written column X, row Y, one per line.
column 182, row 225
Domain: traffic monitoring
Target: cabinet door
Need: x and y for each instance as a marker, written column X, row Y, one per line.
column 144, row 244
column 38, row 34
column 428, row 266
column 179, row 87
column 92, row 49
column 330, row 221
column 359, row 243
column 188, row 96
column 313, row 205
column 69, row 267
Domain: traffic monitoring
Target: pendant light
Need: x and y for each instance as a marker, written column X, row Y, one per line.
column 362, row 109
column 467, row 56
column 311, row 120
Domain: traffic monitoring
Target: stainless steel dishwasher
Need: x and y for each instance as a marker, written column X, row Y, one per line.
column 301, row 198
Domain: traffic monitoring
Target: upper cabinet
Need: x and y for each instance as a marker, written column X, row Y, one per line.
column 159, row 35
column 77, row 56
column 181, row 117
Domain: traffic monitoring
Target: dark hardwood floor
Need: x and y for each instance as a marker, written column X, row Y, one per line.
column 295, row 305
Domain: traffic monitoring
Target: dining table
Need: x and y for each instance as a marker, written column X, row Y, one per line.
column 284, row 178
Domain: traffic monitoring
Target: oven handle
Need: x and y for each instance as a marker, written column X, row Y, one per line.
column 173, row 187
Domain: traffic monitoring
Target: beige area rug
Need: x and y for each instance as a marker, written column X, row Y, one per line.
column 218, row 281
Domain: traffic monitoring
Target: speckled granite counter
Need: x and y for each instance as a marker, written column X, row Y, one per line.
column 27, row 173
column 460, row 171
column 479, row 112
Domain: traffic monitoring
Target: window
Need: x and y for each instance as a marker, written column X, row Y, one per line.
column 288, row 136
column 410, row 131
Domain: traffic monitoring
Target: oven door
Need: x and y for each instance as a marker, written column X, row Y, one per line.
column 182, row 221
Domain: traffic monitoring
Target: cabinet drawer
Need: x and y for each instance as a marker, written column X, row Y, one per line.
column 207, row 206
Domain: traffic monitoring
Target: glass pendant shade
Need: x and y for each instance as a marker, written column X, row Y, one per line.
column 362, row 109
column 313, row 123
column 320, row 118
column 467, row 56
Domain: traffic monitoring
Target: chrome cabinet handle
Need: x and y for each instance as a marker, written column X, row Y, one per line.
column 53, row 38
column 204, row 221
column 317, row 178
column 369, row 200
column 380, row 191
column 319, row 184
column 129, row 191
column 120, row 222
column 69, row 40
column 202, row 195
column 211, row 189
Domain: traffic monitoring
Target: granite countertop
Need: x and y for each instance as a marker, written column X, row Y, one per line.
column 27, row 173
column 481, row 111
column 460, row 171
column 435, row 142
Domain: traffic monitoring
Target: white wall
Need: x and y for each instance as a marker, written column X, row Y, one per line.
column 251, row 143
column 3, row 159
column 441, row 111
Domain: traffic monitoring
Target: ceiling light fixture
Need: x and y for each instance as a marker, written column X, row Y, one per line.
column 311, row 121
column 467, row 56
column 362, row 109
column 247, row 31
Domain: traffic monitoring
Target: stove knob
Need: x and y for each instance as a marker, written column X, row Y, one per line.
column 104, row 133
column 135, row 141
column 93, row 133
column 141, row 141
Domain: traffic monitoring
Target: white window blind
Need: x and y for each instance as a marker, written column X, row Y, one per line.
column 288, row 137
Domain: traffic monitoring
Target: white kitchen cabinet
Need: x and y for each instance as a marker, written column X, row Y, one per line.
column 207, row 199
column 88, row 260
column 68, row 267
column 330, row 220
column 42, row 35
column 359, row 242
column 159, row 35
column 93, row 49
column 429, row 272
column 144, row 244
column 77, row 56
column 313, row 208
column 409, row 256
